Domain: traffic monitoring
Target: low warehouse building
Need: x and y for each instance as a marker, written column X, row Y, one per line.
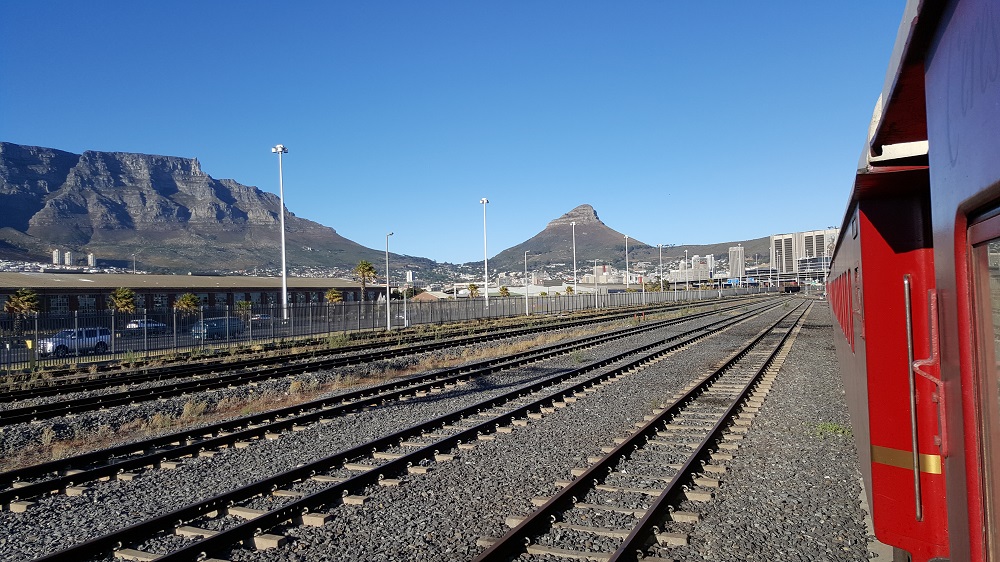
column 71, row 292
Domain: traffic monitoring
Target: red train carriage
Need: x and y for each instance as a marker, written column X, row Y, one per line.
column 915, row 288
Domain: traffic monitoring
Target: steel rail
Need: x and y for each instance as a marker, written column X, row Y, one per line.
column 630, row 549
column 54, row 409
column 244, row 531
column 517, row 539
column 119, row 459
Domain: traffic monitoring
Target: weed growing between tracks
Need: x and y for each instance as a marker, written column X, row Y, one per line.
column 831, row 429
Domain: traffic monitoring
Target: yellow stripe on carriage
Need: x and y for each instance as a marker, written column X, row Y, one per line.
column 901, row 458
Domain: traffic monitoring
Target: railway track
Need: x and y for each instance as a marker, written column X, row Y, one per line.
column 117, row 461
column 675, row 456
column 381, row 348
column 416, row 446
column 240, row 375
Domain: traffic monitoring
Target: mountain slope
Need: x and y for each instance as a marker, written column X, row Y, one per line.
column 554, row 244
column 164, row 208
column 596, row 240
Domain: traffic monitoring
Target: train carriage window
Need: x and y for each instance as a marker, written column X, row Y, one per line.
column 986, row 271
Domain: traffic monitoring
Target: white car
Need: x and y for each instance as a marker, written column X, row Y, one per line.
column 150, row 326
column 81, row 340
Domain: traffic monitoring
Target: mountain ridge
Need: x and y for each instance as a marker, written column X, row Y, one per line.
column 172, row 216
column 166, row 208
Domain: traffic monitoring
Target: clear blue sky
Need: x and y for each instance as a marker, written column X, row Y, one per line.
column 680, row 122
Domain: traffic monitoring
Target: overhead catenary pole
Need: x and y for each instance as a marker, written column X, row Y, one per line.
column 280, row 149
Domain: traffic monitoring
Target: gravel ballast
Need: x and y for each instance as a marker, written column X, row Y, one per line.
column 791, row 493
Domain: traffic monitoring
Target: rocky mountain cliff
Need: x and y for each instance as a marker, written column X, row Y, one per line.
column 164, row 208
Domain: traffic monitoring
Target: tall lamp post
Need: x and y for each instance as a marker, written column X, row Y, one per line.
column 280, row 149
column 595, row 284
column 626, row 263
column 686, row 287
column 527, row 312
column 486, row 264
column 660, row 246
column 573, row 224
column 388, row 318
column 777, row 265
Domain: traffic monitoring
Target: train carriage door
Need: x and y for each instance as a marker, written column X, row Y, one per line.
column 985, row 240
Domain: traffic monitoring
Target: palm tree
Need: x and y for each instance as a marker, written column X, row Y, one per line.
column 334, row 296
column 473, row 290
column 504, row 291
column 243, row 309
column 20, row 304
column 188, row 302
column 365, row 273
column 569, row 290
column 122, row 299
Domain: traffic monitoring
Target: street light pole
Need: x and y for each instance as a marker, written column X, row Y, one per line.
column 660, row 246
column 486, row 264
column 280, row 149
column 595, row 284
column 626, row 263
column 686, row 287
column 573, row 224
column 388, row 318
column 526, row 311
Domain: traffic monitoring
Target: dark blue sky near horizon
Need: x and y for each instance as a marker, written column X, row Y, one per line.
column 681, row 123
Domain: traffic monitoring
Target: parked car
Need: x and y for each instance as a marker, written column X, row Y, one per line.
column 81, row 340
column 260, row 318
column 217, row 328
column 149, row 326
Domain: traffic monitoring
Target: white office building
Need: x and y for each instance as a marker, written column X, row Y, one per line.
column 804, row 254
column 737, row 263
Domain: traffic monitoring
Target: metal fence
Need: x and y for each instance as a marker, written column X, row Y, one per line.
column 55, row 339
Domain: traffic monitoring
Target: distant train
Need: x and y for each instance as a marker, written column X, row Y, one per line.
column 915, row 288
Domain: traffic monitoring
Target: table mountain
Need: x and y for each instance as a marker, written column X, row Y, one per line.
column 165, row 208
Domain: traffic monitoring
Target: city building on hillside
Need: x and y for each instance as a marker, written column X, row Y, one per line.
column 696, row 270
